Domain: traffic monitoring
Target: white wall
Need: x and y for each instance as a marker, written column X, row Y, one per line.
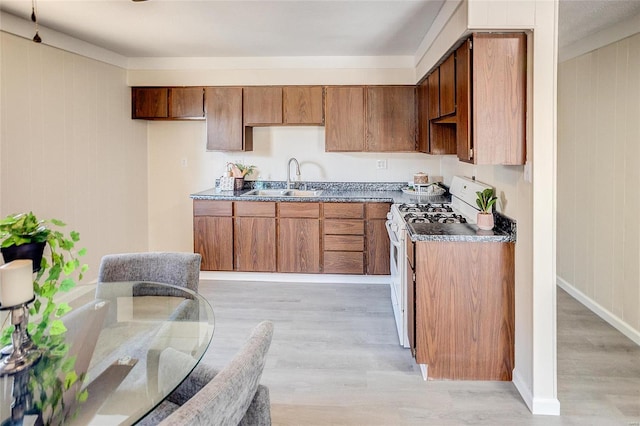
column 598, row 181
column 69, row 149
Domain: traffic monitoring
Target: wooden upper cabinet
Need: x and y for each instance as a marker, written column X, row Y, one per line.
column 302, row 105
column 391, row 118
column 494, row 98
column 422, row 94
column 167, row 103
column 463, row 98
column 186, row 102
column 344, row 118
column 225, row 130
column 448, row 86
column 149, row 102
column 433, row 89
column 262, row 105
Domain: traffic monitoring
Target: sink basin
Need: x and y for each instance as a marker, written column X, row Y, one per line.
column 283, row 193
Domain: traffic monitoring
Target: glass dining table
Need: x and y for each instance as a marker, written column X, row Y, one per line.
column 129, row 344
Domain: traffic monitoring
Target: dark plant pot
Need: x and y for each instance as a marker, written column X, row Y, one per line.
column 31, row 251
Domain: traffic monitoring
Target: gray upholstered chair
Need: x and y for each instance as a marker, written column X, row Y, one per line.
column 231, row 397
column 179, row 269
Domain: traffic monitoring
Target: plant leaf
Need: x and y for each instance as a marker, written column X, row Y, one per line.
column 57, row 328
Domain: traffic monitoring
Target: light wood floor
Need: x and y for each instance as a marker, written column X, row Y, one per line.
column 335, row 360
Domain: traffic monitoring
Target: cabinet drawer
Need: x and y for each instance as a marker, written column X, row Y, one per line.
column 344, row 210
column 344, row 242
column 255, row 208
column 211, row 208
column 377, row 210
column 298, row 210
column 343, row 262
column 344, row 227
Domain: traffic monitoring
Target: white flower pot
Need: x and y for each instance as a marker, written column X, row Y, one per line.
column 485, row 221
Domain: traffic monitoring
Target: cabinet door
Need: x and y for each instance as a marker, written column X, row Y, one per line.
column 149, row 102
column 344, row 119
column 262, row 105
column 255, row 244
column 377, row 239
column 299, row 245
column 186, row 102
column 391, row 119
column 448, row 86
column 463, row 98
column 225, row 131
column 499, row 98
column 422, row 93
column 213, row 239
column 302, row 105
column 433, row 85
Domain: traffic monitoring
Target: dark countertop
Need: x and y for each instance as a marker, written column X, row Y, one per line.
column 457, row 232
column 359, row 192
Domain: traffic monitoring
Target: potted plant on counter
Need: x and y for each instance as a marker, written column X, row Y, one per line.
column 239, row 171
column 485, row 200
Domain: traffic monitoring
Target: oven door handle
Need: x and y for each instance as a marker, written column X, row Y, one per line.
column 392, row 235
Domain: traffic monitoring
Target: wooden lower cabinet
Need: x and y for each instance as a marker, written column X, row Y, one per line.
column 378, row 256
column 213, row 234
column 302, row 237
column 464, row 309
column 299, row 245
column 255, row 244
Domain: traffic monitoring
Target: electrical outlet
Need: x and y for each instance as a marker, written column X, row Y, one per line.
column 184, row 162
column 381, row 164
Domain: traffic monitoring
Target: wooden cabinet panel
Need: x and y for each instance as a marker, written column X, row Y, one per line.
column 377, row 210
column 149, row 102
column 186, row 102
column 302, row 105
column 378, row 255
column 344, row 227
column 299, row 210
column 212, row 208
column 391, row 118
column 299, row 245
column 255, row 208
column 491, row 94
column 422, row 94
column 262, row 105
column 255, row 244
column 465, row 329
column 463, row 98
column 448, row 86
column 344, row 119
column 344, row 210
column 336, row 262
column 344, row 243
column 213, row 239
column 225, row 130
column 433, row 86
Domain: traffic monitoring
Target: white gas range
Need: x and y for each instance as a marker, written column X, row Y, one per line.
column 461, row 209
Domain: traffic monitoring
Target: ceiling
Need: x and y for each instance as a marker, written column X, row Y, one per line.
column 240, row 28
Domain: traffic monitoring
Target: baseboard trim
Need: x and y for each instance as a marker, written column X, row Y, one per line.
column 295, row 278
column 613, row 320
column 541, row 406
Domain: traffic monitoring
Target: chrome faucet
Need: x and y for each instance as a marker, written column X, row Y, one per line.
column 289, row 171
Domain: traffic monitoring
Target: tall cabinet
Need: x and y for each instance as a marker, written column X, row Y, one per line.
column 491, row 99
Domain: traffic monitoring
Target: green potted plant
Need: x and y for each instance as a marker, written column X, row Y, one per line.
column 485, row 201
column 57, row 270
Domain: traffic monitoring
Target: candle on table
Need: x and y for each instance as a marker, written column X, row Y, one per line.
column 16, row 282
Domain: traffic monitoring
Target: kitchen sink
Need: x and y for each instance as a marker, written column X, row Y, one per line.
column 283, row 193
